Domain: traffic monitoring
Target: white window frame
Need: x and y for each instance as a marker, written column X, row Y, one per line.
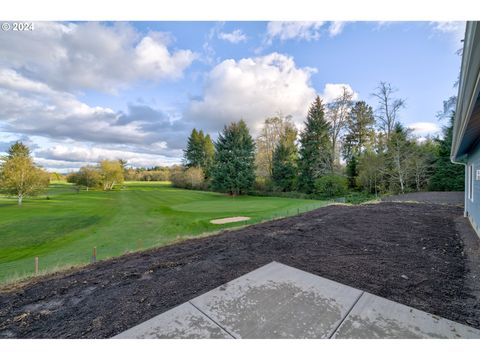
column 470, row 182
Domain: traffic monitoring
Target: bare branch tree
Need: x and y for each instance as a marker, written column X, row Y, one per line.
column 388, row 107
column 337, row 115
column 267, row 140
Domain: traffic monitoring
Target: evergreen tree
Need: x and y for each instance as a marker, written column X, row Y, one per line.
column 359, row 137
column 234, row 166
column 314, row 156
column 193, row 154
column 360, row 129
column 284, row 161
column 208, row 150
column 199, row 152
column 18, row 149
column 446, row 175
column 352, row 171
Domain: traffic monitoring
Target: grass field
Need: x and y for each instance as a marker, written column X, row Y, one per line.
column 63, row 228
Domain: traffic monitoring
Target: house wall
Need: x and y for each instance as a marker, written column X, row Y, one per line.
column 472, row 206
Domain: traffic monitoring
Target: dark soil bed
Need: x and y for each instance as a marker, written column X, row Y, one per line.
column 410, row 253
column 433, row 197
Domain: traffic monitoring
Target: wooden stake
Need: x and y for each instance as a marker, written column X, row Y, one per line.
column 94, row 255
column 36, row 265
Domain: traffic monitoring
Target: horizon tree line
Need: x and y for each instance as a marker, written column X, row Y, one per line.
column 344, row 139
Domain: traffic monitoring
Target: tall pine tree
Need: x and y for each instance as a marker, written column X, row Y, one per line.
column 208, row 155
column 234, row 167
column 18, row 149
column 193, row 154
column 199, row 152
column 315, row 147
column 284, row 161
column 359, row 138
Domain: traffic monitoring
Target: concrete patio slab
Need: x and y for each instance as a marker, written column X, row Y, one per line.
column 183, row 321
column 374, row 317
column 278, row 301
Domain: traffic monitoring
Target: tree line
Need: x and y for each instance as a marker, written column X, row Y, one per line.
column 343, row 146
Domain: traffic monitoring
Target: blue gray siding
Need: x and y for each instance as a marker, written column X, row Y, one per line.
column 472, row 207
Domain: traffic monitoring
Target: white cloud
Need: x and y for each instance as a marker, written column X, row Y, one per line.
column 91, row 55
column 424, row 128
column 333, row 91
column 154, row 60
column 77, row 155
column 253, row 89
column 456, row 29
column 286, row 30
column 234, row 37
column 336, row 27
column 31, row 107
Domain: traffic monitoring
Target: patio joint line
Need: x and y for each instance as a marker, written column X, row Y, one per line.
column 220, row 326
column 346, row 315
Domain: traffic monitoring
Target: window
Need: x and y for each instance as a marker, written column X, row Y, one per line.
column 470, row 182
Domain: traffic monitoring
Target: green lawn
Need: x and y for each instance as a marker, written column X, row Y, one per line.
column 63, row 229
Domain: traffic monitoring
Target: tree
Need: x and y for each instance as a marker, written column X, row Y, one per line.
column 388, row 107
column 270, row 134
column 188, row 178
column 18, row 149
column 421, row 162
column 111, row 174
column 194, row 178
column 193, row 154
column 199, row 152
column 360, row 130
column 284, row 161
column 123, row 164
column 337, row 115
column 234, row 166
column 371, row 171
column 352, row 171
column 315, row 148
column 446, row 175
column 331, row 185
column 89, row 176
column 208, row 156
column 359, row 137
column 398, row 156
column 19, row 176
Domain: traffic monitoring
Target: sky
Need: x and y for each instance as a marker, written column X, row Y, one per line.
column 79, row 92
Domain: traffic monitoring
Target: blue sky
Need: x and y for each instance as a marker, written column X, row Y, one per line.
column 80, row 92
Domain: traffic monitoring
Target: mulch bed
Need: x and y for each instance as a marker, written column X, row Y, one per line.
column 410, row 253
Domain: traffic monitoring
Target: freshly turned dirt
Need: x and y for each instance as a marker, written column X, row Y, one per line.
column 433, row 197
column 407, row 252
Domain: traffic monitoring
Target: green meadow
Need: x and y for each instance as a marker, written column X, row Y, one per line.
column 63, row 227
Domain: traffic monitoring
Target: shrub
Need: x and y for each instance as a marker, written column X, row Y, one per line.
column 331, row 185
column 191, row 178
column 72, row 177
column 195, row 178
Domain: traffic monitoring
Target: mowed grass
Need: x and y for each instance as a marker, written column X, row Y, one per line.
column 63, row 229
